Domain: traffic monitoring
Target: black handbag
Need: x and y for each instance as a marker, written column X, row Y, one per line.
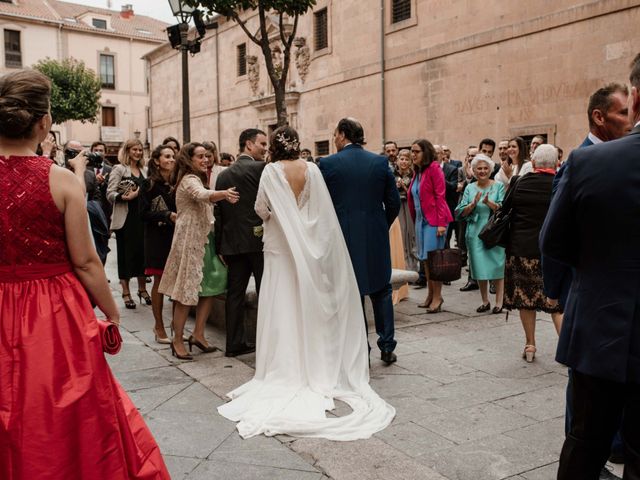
column 497, row 229
column 445, row 265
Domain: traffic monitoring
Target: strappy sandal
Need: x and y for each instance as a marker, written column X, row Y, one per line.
column 128, row 301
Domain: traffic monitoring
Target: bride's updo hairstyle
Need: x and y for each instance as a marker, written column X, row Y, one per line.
column 24, row 100
column 284, row 144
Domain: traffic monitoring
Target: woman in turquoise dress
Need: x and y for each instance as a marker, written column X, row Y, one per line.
column 479, row 200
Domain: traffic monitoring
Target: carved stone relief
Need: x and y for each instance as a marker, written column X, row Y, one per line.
column 253, row 72
column 302, row 57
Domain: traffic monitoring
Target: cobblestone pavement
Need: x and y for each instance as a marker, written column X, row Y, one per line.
column 468, row 406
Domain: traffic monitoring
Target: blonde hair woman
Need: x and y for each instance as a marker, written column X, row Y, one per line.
column 123, row 191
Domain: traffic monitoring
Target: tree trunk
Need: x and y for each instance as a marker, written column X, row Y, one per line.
column 281, row 104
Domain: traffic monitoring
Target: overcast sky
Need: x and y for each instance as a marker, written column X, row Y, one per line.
column 153, row 8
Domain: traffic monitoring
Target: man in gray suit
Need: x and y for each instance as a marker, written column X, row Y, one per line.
column 238, row 234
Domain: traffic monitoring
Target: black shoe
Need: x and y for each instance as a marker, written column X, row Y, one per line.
column 420, row 284
column 471, row 285
column 485, row 307
column 446, row 283
column 617, row 458
column 243, row 351
column 606, row 474
column 388, row 357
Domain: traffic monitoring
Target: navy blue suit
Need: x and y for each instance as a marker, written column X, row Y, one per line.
column 600, row 337
column 366, row 199
column 556, row 276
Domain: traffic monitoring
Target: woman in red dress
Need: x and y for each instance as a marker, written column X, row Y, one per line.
column 62, row 413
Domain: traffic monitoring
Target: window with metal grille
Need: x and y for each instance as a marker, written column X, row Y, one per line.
column 242, row 59
column 322, row 148
column 107, row 71
column 108, row 116
column 400, row 10
column 12, row 49
column 320, row 29
column 99, row 23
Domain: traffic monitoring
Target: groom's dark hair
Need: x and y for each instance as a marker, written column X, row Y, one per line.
column 249, row 135
column 352, row 130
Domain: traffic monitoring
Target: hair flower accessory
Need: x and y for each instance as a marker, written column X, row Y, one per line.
column 287, row 142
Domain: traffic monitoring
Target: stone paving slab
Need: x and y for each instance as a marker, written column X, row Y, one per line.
column 468, row 406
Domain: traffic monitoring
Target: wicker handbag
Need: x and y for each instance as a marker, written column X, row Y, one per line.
column 445, row 265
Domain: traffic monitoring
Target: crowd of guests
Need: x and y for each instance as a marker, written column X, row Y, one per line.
column 162, row 211
column 441, row 196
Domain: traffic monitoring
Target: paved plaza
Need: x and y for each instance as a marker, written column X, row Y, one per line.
column 468, row 406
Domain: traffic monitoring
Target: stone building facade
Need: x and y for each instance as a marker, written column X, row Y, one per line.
column 111, row 43
column 451, row 71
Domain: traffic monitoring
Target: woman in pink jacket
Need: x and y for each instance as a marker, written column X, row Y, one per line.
column 430, row 213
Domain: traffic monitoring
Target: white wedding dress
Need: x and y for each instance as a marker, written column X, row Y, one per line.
column 311, row 346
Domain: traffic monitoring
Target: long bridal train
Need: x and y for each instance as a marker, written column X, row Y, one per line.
column 311, row 343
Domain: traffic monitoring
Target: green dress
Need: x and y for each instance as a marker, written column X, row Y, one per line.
column 485, row 264
column 214, row 273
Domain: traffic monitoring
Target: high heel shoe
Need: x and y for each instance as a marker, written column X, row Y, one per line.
column 161, row 341
column 144, row 295
column 178, row 356
column 130, row 304
column 485, row 307
column 184, row 339
column 529, row 353
column 192, row 341
column 436, row 309
column 426, row 303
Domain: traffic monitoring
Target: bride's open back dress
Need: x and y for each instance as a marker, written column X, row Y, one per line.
column 311, row 343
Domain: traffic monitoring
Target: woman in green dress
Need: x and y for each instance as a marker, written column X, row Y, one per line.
column 480, row 199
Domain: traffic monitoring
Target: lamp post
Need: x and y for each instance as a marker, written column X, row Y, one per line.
column 183, row 13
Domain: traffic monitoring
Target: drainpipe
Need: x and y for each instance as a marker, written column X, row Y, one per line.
column 383, row 94
column 215, row 26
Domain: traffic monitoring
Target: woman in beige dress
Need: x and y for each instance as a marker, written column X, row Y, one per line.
column 182, row 275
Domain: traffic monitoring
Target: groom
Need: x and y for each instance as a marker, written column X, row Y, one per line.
column 366, row 200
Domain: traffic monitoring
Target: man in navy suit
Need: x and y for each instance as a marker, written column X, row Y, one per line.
column 608, row 120
column 367, row 201
column 600, row 336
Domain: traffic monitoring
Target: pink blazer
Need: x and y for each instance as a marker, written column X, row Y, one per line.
column 432, row 197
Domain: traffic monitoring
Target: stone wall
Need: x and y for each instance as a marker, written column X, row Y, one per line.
column 456, row 71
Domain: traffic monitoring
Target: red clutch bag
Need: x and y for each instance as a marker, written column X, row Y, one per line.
column 110, row 336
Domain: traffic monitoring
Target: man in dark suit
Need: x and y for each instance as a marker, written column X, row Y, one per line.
column 608, row 120
column 451, row 193
column 239, row 235
column 366, row 199
column 600, row 336
column 447, row 157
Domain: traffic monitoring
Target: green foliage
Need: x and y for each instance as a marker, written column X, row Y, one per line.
column 75, row 90
column 227, row 7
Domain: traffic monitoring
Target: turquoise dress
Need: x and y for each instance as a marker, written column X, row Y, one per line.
column 427, row 239
column 485, row 264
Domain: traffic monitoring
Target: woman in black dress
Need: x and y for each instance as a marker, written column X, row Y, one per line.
column 158, row 211
column 125, row 182
column 523, row 289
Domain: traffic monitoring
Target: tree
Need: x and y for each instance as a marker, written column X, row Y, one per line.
column 75, row 90
column 232, row 10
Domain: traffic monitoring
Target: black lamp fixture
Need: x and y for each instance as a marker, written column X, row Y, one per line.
column 178, row 36
column 181, row 11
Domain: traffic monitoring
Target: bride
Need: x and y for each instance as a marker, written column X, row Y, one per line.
column 311, row 346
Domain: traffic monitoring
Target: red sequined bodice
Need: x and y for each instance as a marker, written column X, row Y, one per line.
column 31, row 226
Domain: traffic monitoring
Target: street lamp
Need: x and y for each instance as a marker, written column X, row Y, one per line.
column 183, row 13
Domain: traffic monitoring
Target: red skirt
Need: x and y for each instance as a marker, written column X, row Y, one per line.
column 63, row 415
column 153, row 271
